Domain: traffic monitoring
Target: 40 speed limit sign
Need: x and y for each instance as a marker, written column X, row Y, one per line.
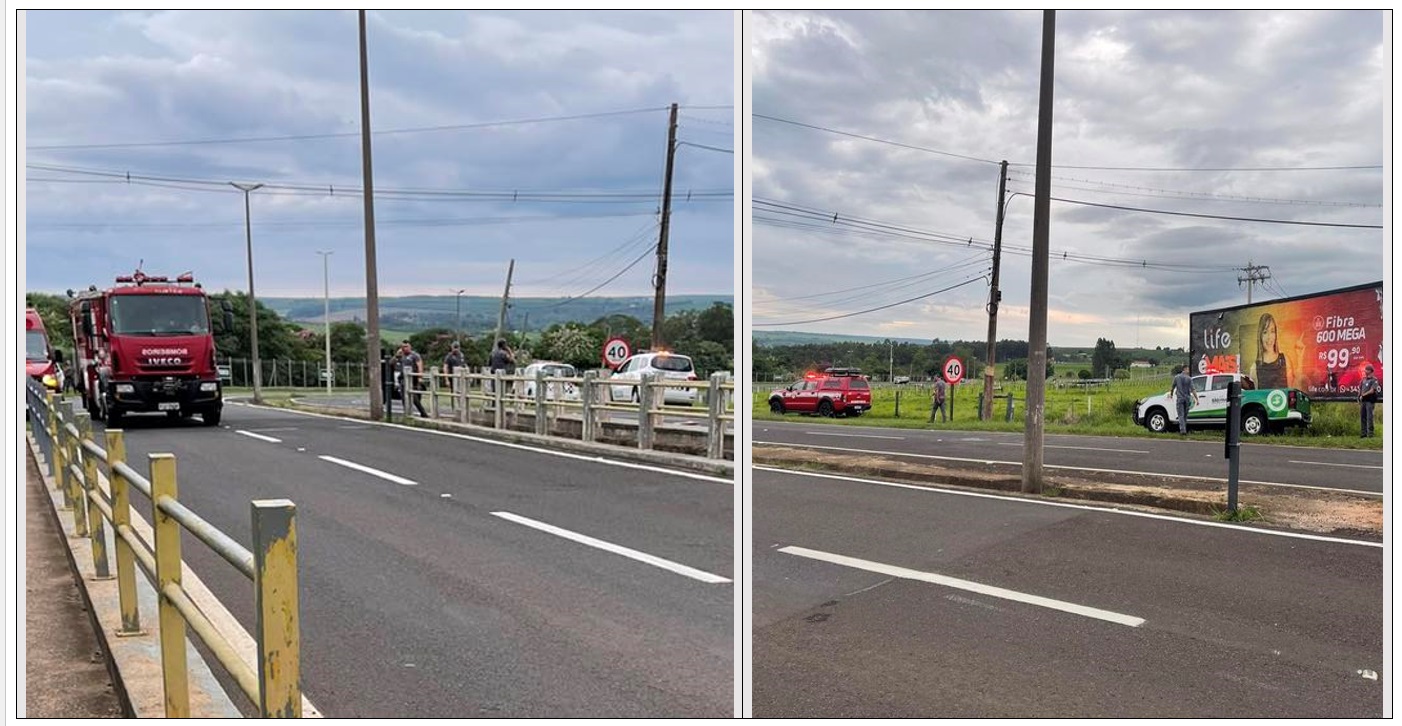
column 616, row 351
column 953, row 370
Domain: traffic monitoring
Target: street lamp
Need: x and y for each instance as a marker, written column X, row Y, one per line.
column 457, row 330
column 252, row 301
column 326, row 314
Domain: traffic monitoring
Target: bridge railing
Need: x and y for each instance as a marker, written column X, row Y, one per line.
column 65, row 438
column 496, row 398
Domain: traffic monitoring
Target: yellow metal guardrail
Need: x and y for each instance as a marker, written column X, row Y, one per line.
column 66, row 439
column 503, row 395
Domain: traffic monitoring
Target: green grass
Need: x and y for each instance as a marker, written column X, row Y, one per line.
column 1098, row 411
column 1243, row 513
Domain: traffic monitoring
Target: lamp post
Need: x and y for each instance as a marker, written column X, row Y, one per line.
column 457, row 329
column 252, row 300
column 326, row 314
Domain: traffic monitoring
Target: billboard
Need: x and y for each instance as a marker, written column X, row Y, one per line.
column 1317, row 343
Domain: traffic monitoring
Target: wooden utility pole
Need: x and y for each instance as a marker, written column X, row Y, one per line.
column 372, row 292
column 659, row 280
column 505, row 298
column 1041, row 233
column 994, row 297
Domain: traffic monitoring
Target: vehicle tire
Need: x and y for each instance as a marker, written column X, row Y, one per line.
column 113, row 418
column 1253, row 422
column 776, row 406
column 825, row 408
column 211, row 418
column 1157, row 420
column 854, row 413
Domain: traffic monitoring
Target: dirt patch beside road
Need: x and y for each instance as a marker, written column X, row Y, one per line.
column 1305, row 510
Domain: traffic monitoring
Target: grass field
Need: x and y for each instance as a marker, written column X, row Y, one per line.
column 1104, row 410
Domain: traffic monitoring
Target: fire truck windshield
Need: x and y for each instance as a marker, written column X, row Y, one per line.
column 159, row 315
column 35, row 347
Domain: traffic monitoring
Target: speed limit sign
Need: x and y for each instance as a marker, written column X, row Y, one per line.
column 953, row 370
column 616, row 351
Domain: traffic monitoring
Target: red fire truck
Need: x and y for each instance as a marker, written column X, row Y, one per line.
column 146, row 345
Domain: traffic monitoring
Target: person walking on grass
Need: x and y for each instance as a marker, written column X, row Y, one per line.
column 1183, row 396
column 937, row 400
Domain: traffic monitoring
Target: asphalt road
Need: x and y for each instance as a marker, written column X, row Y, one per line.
column 1347, row 469
column 468, row 587
column 1138, row 616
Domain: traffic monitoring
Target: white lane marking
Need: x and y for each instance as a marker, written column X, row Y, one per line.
column 1107, row 510
column 855, row 436
column 279, row 428
column 616, row 549
column 1070, row 468
column 260, row 437
column 967, row 586
column 370, row 471
column 1078, row 448
column 1326, row 463
column 512, row 445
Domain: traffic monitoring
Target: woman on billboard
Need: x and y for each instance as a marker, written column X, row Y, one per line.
column 1271, row 369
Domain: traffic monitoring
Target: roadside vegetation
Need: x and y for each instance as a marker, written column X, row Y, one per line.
column 1102, row 409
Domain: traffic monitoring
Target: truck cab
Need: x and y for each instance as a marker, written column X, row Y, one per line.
column 41, row 360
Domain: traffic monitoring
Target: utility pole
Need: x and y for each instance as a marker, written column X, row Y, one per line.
column 457, row 329
column 994, row 297
column 1254, row 274
column 326, row 306
column 252, row 299
column 659, row 280
column 372, row 292
column 505, row 296
column 1041, row 233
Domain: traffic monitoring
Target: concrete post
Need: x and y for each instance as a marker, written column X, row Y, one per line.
column 498, row 394
column 645, row 393
column 433, row 391
column 586, row 400
column 715, row 408
column 541, row 426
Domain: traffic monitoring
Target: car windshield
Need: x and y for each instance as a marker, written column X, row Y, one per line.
column 672, row 363
column 559, row 371
column 36, row 347
column 159, row 315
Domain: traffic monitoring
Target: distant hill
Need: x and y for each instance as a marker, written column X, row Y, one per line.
column 791, row 337
column 478, row 314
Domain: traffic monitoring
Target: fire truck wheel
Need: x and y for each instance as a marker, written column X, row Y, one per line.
column 211, row 418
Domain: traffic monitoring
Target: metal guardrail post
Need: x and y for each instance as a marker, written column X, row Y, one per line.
column 586, row 400
column 275, row 592
column 645, row 394
column 96, row 531
column 715, row 406
column 498, row 392
column 541, row 425
column 75, row 485
column 121, row 519
column 433, row 391
column 174, row 672
column 60, row 460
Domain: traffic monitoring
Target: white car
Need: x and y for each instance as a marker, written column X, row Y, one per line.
column 623, row 385
column 554, row 390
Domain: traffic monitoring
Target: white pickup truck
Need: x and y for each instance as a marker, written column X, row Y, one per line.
column 1262, row 409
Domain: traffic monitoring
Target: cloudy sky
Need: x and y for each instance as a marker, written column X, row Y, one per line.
column 529, row 135
column 1232, row 114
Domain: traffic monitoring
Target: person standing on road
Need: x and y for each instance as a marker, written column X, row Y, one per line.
column 1368, row 390
column 412, row 366
column 937, row 400
column 1184, row 397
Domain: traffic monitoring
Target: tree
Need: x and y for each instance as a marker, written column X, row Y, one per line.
column 1105, row 358
column 578, row 345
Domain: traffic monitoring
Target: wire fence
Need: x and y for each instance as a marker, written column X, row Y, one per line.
column 238, row 373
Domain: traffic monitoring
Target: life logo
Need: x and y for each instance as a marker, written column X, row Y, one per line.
column 1275, row 400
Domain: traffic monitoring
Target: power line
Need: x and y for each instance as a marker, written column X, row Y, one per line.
column 348, row 134
column 871, row 310
column 874, row 139
column 859, row 287
column 1059, row 166
column 703, row 146
column 1175, row 193
column 594, row 289
column 1216, row 216
column 421, row 222
column 579, row 272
